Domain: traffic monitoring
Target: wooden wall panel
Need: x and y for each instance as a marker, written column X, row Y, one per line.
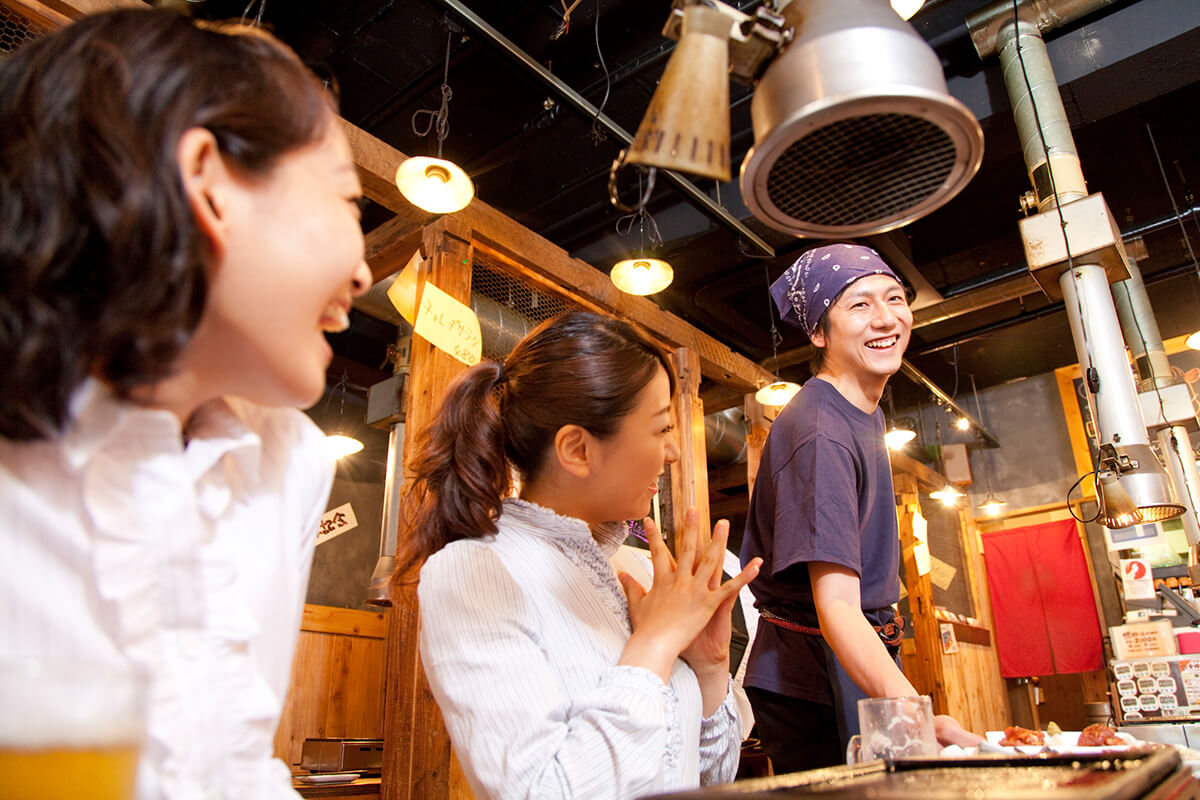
column 337, row 680
column 966, row 685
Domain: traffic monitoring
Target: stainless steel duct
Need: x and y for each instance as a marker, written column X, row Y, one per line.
column 855, row 132
column 1050, row 157
column 1164, row 397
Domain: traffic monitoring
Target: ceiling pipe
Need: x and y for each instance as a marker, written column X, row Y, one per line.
column 694, row 195
column 1161, row 275
column 1052, row 162
column 944, row 399
column 986, row 24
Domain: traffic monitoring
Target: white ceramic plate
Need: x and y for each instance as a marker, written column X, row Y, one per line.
column 328, row 777
column 1066, row 742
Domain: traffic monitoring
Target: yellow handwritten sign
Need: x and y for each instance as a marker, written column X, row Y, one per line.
column 449, row 325
column 435, row 316
column 403, row 291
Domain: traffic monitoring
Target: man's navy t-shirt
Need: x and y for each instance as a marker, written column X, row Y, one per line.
column 823, row 493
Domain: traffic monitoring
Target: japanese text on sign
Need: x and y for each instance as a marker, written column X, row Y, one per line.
column 335, row 522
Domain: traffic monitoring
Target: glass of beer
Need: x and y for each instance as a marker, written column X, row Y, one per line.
column 69, row 731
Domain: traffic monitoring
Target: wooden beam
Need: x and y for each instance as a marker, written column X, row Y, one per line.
column 726, row 477
column 390, row 246
column 542, row 257
column 39, row 15
column 902, row 462
column 689, row 475
column 720, row 396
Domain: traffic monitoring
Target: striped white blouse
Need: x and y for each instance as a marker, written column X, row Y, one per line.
column 520, row 637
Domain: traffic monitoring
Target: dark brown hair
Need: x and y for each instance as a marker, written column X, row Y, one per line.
column 102, row 265
column 576, row 369
column 818, row 357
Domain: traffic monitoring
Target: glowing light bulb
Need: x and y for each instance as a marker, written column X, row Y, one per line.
column 963, row 424
column 906, row 8
column 339, row 445
column 642, row 275
column 434, row 184
column 778, row 393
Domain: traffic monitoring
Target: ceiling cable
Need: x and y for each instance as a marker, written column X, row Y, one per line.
column 439, row 120
column 598, row 134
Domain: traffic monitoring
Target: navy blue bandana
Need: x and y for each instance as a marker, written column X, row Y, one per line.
column 808, row 287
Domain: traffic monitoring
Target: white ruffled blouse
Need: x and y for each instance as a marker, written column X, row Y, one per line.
column 520, row 637
column 189, row 565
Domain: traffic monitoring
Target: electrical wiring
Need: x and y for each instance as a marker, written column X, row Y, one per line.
column 1099, row 498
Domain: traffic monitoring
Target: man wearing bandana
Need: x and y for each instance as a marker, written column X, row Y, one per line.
column 823, row 519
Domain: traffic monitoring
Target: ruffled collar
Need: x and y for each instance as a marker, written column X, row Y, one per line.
column 98, row 417
column 547, row 523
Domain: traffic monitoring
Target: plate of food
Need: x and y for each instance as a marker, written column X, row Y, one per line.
column 1091, row 739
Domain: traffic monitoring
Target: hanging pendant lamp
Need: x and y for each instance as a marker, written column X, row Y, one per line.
column 642, row 273
column 436, row 185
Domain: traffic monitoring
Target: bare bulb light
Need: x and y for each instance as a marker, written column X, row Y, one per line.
column 778, row 393
column 434, row 184
column 1193, row 341
column 907, row 8
column 642, row 275
column 992, row 505
column 900, row 432
column 339, row 445
column 963, row 424
column 948, row 495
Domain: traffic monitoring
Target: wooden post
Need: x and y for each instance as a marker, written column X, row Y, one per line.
column 689, row 477
column 416, row 752
column 757, row 428
column 929, row 677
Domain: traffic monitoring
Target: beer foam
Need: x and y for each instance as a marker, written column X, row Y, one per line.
column 55, row 708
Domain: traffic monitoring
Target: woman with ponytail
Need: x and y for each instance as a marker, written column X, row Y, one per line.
column 558, row 678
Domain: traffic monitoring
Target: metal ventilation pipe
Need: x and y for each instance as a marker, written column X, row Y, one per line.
column 1053, row 164
column 1166, row 400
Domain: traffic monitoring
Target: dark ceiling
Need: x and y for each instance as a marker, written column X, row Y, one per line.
column 1126, row 73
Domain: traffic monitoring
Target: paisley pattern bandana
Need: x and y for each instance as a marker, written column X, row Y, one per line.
column 808, row 287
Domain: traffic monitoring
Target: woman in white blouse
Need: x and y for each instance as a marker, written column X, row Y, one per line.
column 178, row 229
column 556, row 677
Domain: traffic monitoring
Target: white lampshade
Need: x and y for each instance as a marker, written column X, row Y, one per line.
column 778, row 393
column 948, row 495
column 900, row 432
column 338, row 445
column 906, row 8
column 1193, row 341
column 642, row 275
column 434, row 184
column 992, row 505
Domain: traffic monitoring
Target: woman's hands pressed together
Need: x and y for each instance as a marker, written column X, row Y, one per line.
column 687, row 611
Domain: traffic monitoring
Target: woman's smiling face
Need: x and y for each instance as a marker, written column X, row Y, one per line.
column 624, row 475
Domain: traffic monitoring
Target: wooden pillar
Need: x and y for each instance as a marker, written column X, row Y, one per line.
column 929, row 677
column 416, row 750
column 689, row 477
column 757, row 428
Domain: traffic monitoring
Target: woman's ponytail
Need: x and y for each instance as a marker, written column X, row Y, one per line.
column 460, row 473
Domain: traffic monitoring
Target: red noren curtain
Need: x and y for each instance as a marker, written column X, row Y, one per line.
column 1042, row 600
